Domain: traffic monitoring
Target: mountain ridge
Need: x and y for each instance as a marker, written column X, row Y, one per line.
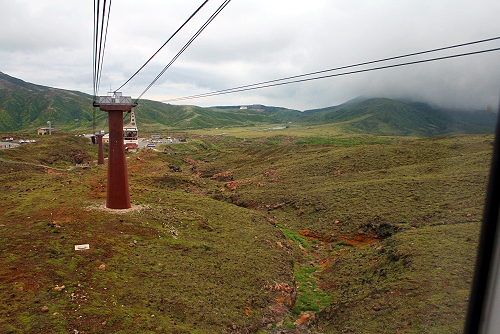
column 26, row 106
column 395, row 117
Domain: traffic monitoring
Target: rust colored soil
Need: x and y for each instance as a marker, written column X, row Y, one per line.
column 359, row 240
column 311, row 235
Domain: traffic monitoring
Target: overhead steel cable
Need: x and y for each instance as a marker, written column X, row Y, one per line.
column 168, row 40
column 94, row 45
column 99, row 45
column 94, row 57
column 211, row 18
column 337, row 68
column 341, row 74
column 102, row 43
column 100, row 32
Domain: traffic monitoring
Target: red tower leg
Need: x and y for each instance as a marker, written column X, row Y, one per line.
column 117, row 195
column 100, row 152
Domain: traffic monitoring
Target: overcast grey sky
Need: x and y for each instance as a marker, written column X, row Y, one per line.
column 49, row 42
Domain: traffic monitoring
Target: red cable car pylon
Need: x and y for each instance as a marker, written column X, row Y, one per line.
column 117, row 192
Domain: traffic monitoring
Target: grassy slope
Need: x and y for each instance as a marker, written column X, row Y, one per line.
column 396, row 118
column 369, row 227
column 417, row 281
column 25, row 107
column 344, row 183
column 349, row 194
column 182, row 263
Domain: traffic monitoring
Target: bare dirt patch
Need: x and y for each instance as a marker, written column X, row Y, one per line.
column 102, row 207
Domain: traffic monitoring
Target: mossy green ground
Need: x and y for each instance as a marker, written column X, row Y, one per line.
column 373, row 234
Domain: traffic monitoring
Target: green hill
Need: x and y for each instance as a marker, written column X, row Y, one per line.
column 193, row 117
column 25, row 107
column 390, row 117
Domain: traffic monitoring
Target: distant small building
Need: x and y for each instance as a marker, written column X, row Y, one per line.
column 243, row 108
column 257, row 107
column 44, row 131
